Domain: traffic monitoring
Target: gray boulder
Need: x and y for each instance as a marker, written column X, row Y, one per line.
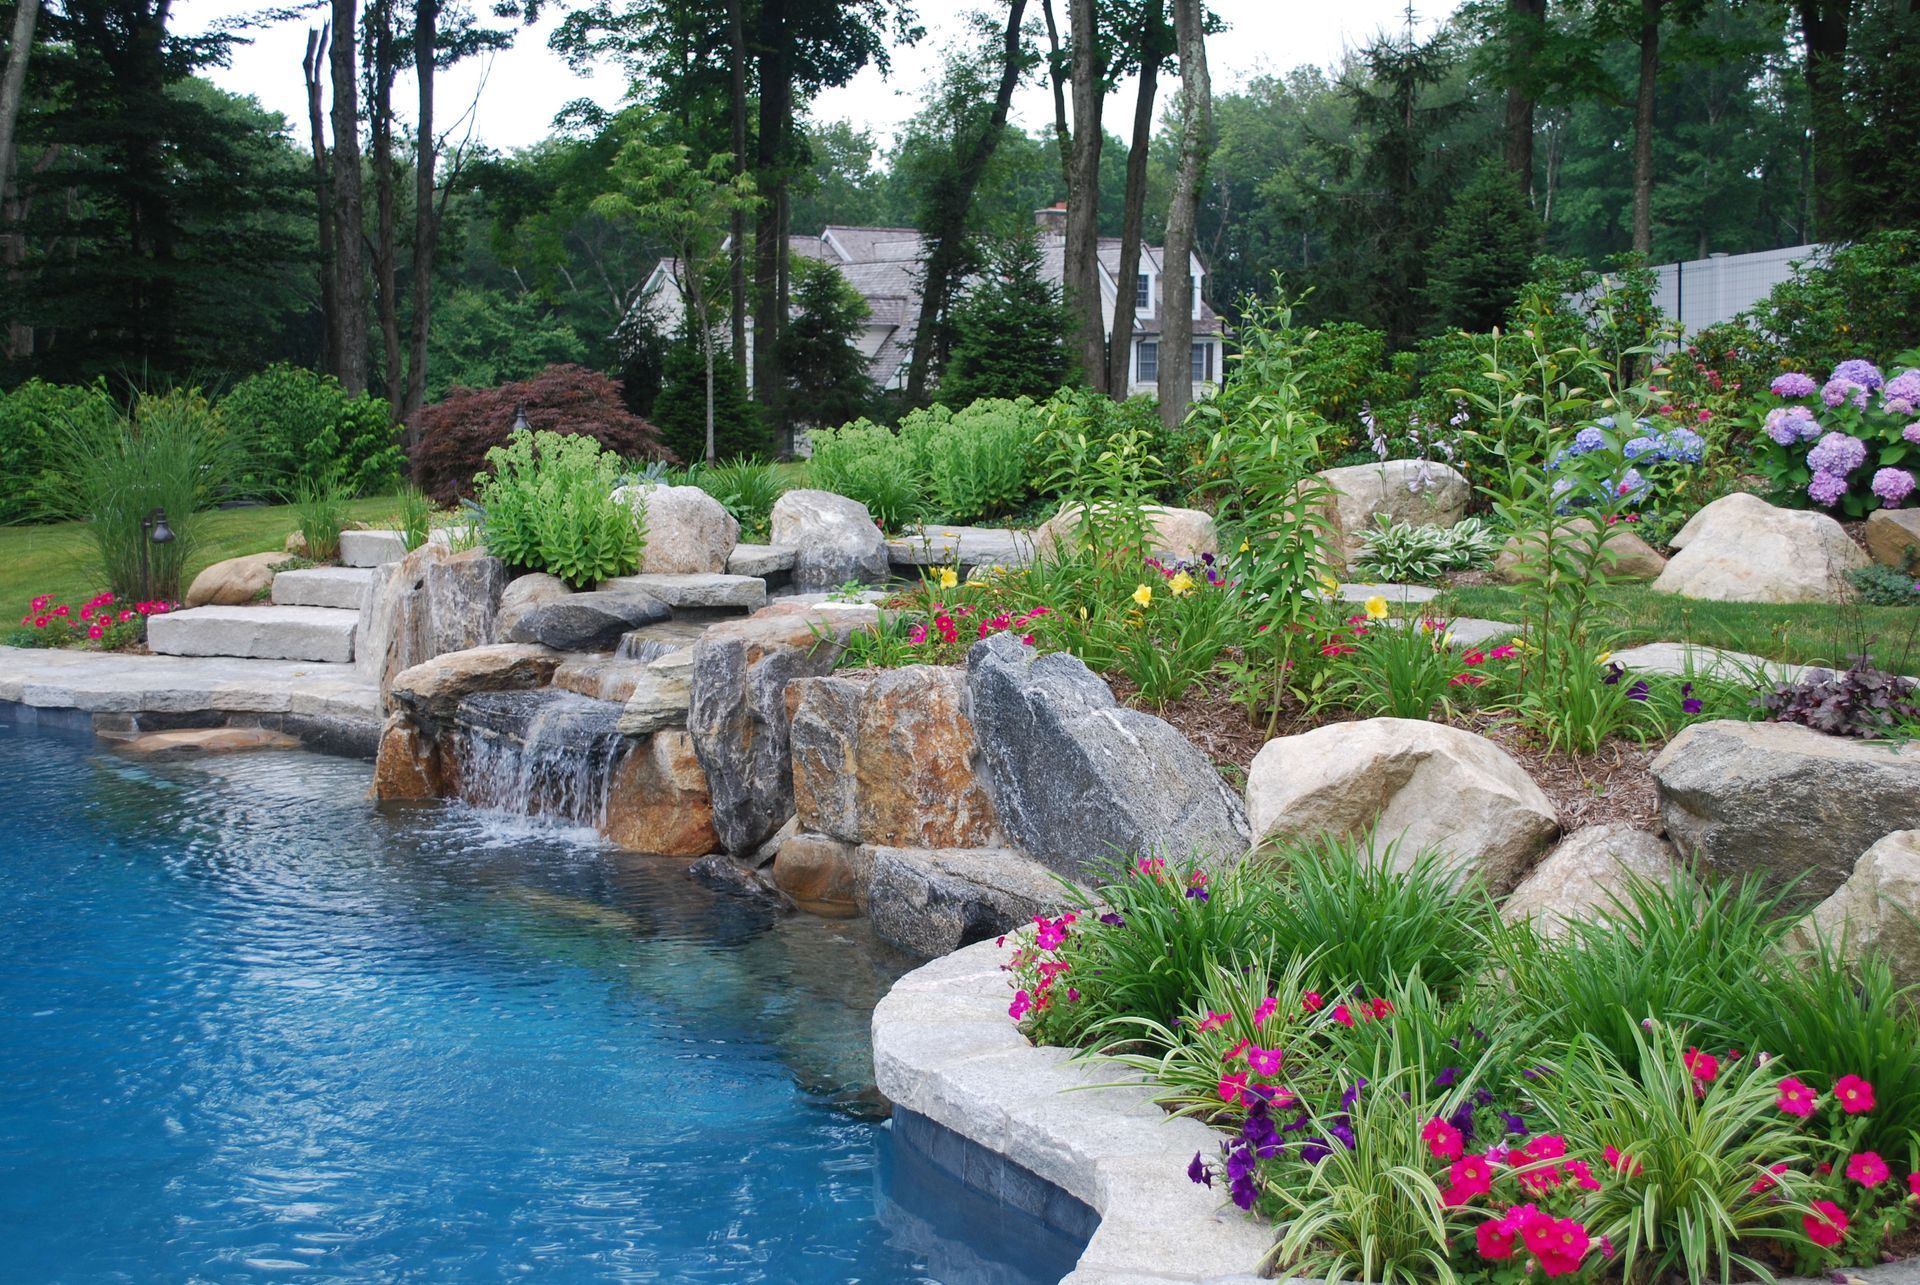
column 1077, row 779
column 1417, row 785
column 523, row 594
column 588, row 621
column 737, row 710
column 688, row 531
column 1877, row 910
column 1783, row 802
column 932, row 902
column 1590, row 872
column 431, row 602
column 834, row 537
column 660, row 695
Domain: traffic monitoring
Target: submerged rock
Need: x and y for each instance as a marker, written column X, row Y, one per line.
column 722, row 873
column 824, row 876
column 1077, row 780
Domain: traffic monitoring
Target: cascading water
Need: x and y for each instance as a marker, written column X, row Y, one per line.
column 642, row 649
column 543, row 753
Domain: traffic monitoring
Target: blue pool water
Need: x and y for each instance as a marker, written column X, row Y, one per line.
column 256, row 1029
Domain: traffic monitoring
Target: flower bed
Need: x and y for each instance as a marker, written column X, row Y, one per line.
column 103, row 623
column 1411, row 1089
column 1846, row 443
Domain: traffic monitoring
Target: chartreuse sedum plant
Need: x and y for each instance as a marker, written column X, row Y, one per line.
column 1704, row 1162
column 550, row 507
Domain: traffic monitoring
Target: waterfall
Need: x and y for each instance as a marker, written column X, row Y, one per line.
column 544, row 753
column 642, row 649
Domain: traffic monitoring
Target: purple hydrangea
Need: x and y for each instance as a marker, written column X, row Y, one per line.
column 1794, row 384
column 1790, row 424
column 1901, row 394
column 1837, row 453
column 1586, row 440
column 1639, row 446
column 1826, row 489
column 1859, row 371
column 1839, row 390
column 1893, row 486
column 1912, row 433
column 1631, row 484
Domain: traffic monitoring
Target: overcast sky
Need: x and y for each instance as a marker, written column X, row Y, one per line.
column 525, row 86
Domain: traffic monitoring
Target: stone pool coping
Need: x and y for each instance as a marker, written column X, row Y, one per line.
column 944, row 1048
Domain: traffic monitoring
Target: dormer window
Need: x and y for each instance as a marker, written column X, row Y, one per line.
column 1142, row 297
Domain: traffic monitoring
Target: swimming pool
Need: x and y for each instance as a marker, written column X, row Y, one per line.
column 258, row 1030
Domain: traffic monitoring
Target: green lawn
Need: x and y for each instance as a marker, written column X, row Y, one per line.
column 58, row 558
column 1803, row 634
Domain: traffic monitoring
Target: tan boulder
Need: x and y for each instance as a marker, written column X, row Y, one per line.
column 1587, row 875
column 1174, row 533
column 658, row 801
column 1419, row 492
column 407, row 766
column 688, row 531
column 1624, row 554
column 1893, row 538
column 1416, row 785
column 235, row 582
column 431, row 691
column 605, row 678
column 1877, row 910
column 824, row 876
column 1742, row 549
column 660, row 695
column 206, row 740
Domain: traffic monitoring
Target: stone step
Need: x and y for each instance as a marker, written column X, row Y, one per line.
column 761, row 560
column 343, row 587
column 375, row 548
column 265, row 633
column 964, row 546
column 681, row 592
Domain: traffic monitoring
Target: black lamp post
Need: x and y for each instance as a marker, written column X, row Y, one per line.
column 520, row 417
column 156, row 531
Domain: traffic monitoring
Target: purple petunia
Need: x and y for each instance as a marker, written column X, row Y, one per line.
column 1826, row 489
column 1794, row 384
column 1859, row 371
column 1893, row 486
column 1689, row 702
column 1837, row 453
column 1199, row 1172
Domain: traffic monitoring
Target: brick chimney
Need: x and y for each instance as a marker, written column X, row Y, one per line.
column 1053, row 219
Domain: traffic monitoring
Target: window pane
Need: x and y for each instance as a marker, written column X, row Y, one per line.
column 1140, row 292
column 1197, row 363
column 1149, row 361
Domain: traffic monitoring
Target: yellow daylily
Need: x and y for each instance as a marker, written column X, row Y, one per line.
column 948, row 577
column 1603, row 658
column 1376, row 608
column 1181, row 583
column 1245, row 547
column 1329, row 583
column 1143, row 596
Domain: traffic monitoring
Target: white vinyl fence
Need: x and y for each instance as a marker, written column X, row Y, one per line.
column 1704, row 292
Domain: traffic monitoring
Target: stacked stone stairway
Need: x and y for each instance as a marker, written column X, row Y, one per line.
column 313, row 616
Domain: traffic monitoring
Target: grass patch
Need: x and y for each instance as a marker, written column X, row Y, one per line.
column 1806, row 633
column 59, row 558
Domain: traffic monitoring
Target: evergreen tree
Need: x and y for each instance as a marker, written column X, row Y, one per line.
column 827, row 381
column 1009, row 332
column 680, row 411
column 1481, row 257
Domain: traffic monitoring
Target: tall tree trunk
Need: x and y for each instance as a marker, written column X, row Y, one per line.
column 1643, row 126
column 737, row 254
column 1120, row 344
column 323, row 209
column 1824, row 30
column 426, row 222
column 1176, row 283
column 771, row 153
column 1527, row 24
column 1062, row 134
column 13, row 86
column 1083, row 200
column 386, row 254
column 947, row 237
column 350, row 289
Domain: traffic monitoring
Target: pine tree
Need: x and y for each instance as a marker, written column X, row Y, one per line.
column 1009, row 332
column 827, row 380
column 680, row 411
column 1484, row 251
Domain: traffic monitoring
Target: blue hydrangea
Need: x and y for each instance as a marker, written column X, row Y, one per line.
column 1588, row 440
column 1837, row 453
column 1683, row 446
column 1640, row 446
column 1859, row 371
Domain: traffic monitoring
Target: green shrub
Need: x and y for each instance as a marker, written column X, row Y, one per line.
column 1880, row 586
column 32, row 417
column 870, row 463
column 117, row 471
column 973, row 459
column 549, row 506
column 745, row 488
column 320, row 506
column 291, row 427
column 1846, row 301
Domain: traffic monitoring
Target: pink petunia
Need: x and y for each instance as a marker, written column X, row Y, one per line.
column 1442, row 1139
column 1854, row 1094
column 1266, row 1009
column 1867, row 1169
column 1704, row 1067
column 1797, row 1098
column 1826, row 1226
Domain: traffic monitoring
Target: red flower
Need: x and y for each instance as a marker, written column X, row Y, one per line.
column 1311, row 1001
column 1494, row 1239
column 1471, row 1175
column 1766, row 1181
column 1582, row 1174
column 1342, row 1016
column 1913, row 1185
column 1704, row 1067
column 1826, row 1226
column 1473, row 658
column 1796, row 1098
column 1442, row 1139
column 1233, row 1087
column 1466, row 680
column 1855, row 1094
column 1621, row 1162
column 1867, row 1169
column 1379, row 1009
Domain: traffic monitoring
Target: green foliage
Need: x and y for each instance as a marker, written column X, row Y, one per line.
column 1854, row 299
column 320, row 504
column 32, row 419
column 680, row 410
column 1344, row 372
column 415, row 518
column 1009, row 332
column 1402, row 553
column 482, row 338
column 1880, row 586
column 974, row 459
column 549, row 507
column 117, row 471
column 1689, row 1206
column 746, row 488
column 291, row 427
column 867, row 462
column 1391, row 669
column 1484, row 251
column 826, row 373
